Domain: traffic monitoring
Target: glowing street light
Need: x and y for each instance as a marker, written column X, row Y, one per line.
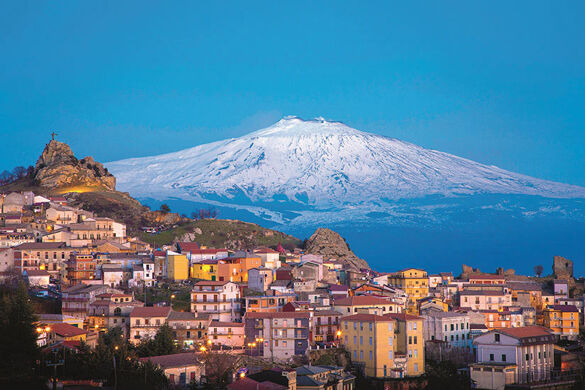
column 203, row 349
column 338, row 333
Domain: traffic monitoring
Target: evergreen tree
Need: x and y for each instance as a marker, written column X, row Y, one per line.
column 18, row 339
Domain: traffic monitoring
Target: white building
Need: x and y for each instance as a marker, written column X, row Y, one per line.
column 514, row 355
column 450, row 327
column 270, row 258
column 220, row 300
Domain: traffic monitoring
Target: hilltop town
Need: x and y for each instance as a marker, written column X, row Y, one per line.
column 266, row 311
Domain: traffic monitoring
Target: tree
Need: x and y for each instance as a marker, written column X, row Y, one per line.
column 444, row 375
column 219, row 367
column 538, row 270
column 163, row 343
column 6, row 178
column 18, row 339
column 165, row 208
column 19, row 172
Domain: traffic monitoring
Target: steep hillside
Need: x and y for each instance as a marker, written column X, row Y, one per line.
column 223, row 233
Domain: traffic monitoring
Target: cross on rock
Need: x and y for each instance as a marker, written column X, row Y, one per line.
column 53, row 134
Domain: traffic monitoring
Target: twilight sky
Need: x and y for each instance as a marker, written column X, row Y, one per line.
column 499, row 83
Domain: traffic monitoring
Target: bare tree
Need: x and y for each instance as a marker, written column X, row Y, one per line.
column 219, row 367
column 538, row 270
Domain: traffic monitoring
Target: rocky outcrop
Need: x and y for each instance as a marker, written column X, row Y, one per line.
column 58, row 168
column 331, row 245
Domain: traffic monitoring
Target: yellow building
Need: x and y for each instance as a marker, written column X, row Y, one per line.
column 177, row 266
column 370, row 340
column 415, row 282
column 204, row 270
column 562, row 320
column 410, row 342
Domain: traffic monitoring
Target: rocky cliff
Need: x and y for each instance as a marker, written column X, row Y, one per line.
column 58, row 168
column 329, row 244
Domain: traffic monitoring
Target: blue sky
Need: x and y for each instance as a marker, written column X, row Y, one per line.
column 499, row 83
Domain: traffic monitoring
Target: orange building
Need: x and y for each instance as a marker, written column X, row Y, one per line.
column 235, row 269
column 563, row 320
column 80, row 268
column 267, row 303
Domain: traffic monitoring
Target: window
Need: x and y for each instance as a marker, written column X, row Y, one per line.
column 361, row 340
column 390, row 341
column 410, row 353
column 497, row 337
column 503, row 357
column 415, row 339
column 390, row 355
column 370, row 341
column 527, row 357
column 452, row 327
column 361, row 355
column 410, row 339
column 355, row 339
column 355, row 354
column 491, row 357
column 354, row 325
column 416, row 353
column 415, row 367
column 371, row 356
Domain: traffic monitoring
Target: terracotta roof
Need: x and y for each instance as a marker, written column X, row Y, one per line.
column 565, row 308
column 402, row 316
column 41, row 245
column 498, row 277
column 160, row 253
column 219, row 324
column 361, row 300
column 525, row 331
column 366, row 318
column 211, row 283
column 188, row 246
column 283, row 314
column 67, row 330
column 338, row 287
column 151, row 311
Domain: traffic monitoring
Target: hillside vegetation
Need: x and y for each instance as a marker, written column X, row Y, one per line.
column 223, row 233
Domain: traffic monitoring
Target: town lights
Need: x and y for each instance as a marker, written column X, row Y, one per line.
column 39, row 330
column 47, row 329
column 242, row 374
column 338, row 333
column 203, row 349
column 209, row 342
column 116, row 347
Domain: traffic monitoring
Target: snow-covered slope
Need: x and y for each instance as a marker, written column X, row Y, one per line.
column 322, row 164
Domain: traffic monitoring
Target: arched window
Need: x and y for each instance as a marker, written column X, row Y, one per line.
column 117, row 311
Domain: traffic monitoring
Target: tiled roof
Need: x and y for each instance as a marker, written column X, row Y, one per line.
column 366, row 318
column 283, row 314
column 220, row 324
column 361, row 300
column 150, row 311
column 188, row 246
column 67, row 330
column 402, row 316
column 211, row 283
column 487, row 276
column 525, row 332
column 181, row 316
column 565, row 308
column 40, row 245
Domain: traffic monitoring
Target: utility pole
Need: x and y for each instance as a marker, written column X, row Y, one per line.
column 54, row 365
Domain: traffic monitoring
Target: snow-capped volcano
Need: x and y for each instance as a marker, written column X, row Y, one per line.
column 321, row 164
